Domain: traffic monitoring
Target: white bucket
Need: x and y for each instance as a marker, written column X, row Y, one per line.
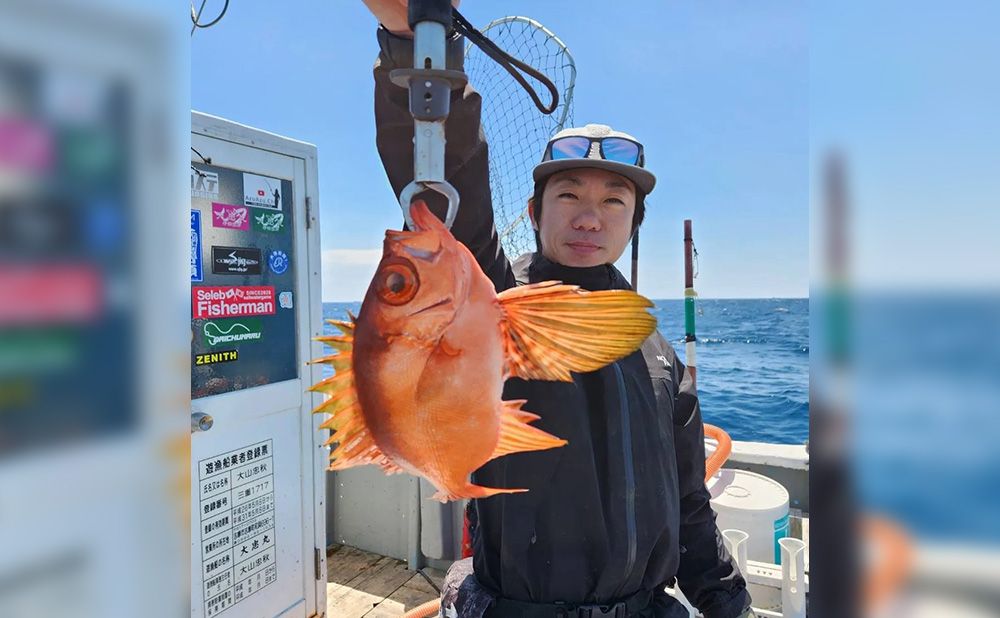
column 755, row 504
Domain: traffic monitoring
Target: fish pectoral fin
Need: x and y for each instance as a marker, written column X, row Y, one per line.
column 354, row 443
column 517, row 436
column 472, row 491
column 550, row 329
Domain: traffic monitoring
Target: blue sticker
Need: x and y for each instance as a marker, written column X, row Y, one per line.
column 278, row 262
column 197, row 274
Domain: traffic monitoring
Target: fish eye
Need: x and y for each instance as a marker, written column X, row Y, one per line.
column 397, row 284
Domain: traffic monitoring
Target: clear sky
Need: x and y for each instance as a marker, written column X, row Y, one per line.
column 904, row 94
column 716, row 91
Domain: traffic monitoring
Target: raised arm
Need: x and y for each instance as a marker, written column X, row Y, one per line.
column 466, row 155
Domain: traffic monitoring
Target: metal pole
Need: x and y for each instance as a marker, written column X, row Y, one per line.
column 415, row 556
column 430, row 84
column 689, row 296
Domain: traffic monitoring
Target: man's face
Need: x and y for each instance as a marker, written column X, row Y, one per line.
column 586, row 217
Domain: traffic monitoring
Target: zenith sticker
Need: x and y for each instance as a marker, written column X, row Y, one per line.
column 269, row 221
column 285, row 300
column 229, row 216
column 204, row 184
column 213, row 358
column 197, row 271
column 278, row 261
column 236, row 261
column 261, row 191
column 237, row 330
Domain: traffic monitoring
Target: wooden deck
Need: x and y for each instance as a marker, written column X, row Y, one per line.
column 360, row 583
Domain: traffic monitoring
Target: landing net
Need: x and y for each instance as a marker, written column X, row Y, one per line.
column 516, row 131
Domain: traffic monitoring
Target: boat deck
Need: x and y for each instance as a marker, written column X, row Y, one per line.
column 361, row 583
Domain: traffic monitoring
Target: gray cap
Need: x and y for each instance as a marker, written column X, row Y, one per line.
column 644, row 179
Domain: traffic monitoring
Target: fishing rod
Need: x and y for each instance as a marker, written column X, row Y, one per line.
column 635, row 261
column 689, row 295
column 723, row 442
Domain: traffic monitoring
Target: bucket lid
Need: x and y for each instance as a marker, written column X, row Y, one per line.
column 744, row 490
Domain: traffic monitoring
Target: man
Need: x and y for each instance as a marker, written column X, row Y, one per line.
column 622, row 510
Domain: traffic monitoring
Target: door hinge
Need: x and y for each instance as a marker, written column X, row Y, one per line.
column 317, row 563
column 308, row 212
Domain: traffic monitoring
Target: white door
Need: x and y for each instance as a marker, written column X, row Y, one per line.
column 255, row 460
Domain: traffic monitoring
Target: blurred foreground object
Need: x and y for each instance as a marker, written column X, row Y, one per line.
column 906, row 332
column 93, row 452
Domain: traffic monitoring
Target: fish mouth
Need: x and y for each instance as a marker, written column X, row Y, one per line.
column 440, row 303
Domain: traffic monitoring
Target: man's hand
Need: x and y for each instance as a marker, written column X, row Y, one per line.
column 392, row 15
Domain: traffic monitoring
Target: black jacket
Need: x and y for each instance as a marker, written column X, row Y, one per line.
column 623, row 507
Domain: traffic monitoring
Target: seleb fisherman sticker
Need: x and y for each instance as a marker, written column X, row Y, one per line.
column 231, row 302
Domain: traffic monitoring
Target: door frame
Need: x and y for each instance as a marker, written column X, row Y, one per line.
column 313, row 468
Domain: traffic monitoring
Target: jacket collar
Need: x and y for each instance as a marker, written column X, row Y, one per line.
column 535, row 267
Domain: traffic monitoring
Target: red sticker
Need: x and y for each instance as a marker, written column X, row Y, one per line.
column 231, row 302
column 50, row 294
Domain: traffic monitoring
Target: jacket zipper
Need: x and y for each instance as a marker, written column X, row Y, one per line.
column 629, row 473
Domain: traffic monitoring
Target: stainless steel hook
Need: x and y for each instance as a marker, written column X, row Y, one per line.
column 415, row 188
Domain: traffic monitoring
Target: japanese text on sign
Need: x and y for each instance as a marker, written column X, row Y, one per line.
column 236, row 490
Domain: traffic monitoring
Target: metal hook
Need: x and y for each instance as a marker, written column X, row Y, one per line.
column 415, row 188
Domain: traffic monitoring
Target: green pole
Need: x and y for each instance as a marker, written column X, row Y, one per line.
column 689, row 295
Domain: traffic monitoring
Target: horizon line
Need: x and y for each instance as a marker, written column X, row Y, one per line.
column 669, row 298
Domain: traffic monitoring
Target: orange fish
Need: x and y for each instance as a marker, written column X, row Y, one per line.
column 419, row 374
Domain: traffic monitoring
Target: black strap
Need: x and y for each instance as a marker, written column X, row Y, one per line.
column 506, row 61
column 618, row 609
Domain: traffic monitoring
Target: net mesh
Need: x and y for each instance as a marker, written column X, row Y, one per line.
column 516, row 131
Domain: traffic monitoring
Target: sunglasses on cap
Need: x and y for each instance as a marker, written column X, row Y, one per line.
column 617, row 149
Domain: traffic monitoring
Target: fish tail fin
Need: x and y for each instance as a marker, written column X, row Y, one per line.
column 551, row 329
column 517, row 436
column 472, row 491
column 354, row 443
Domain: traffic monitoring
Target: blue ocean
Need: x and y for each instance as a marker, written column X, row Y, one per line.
column 753, row 363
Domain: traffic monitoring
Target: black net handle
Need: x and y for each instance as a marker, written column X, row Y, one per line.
column 508, row 62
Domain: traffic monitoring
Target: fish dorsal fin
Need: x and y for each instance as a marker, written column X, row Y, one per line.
column 551, row 329
column 517, row 436
column 354, row 443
